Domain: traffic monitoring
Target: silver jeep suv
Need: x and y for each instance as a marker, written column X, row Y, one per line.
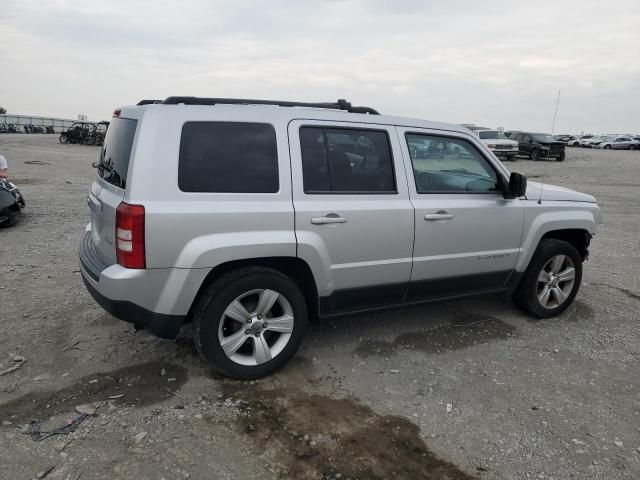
column 247, row 217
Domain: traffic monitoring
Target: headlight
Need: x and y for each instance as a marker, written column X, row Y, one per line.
column 491, row 146
column 544, row 147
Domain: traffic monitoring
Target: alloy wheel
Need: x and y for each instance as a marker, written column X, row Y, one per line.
column 556, row 281
column 256, row 327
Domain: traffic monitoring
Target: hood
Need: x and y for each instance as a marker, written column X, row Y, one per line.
column 556, row 194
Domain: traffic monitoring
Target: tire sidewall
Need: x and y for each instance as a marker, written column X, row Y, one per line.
column 528, row 288
column 212, row 306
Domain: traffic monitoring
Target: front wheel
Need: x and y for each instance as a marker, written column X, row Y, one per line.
column 63, row 138
column 535, row 155
column 607, row 147
column 250, row 322
column 561, row 157
column 552, row 279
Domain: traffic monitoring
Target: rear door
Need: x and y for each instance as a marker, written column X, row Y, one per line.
column 108, row 189
column 354, row 220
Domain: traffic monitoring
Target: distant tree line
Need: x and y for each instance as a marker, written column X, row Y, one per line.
column 2, row 110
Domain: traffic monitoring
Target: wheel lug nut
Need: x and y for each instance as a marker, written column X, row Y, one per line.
column 249, row 320
column 247, row 332
column 258, row 334
column 265, row 325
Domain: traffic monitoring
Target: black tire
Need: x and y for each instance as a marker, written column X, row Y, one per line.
column 208, row 316
column 535, row 155
column 513, row 158
column 526, row 295
column 607, row 147
column 561, row 157
column 63, row 138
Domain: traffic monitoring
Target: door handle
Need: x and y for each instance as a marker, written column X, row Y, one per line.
column 327, row 219
column 439, row 215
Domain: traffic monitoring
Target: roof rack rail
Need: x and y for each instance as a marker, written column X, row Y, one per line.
column 341, row 104
column 148, row 102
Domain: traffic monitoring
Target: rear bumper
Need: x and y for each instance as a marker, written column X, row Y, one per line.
column 128, row 294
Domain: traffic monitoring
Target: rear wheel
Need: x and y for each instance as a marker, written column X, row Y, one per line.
column 552, row 279
column 250, row 322
column 607, row 147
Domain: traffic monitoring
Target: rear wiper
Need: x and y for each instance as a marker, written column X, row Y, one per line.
column 102, row 166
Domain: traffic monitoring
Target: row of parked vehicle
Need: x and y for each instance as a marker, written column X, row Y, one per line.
column 509, row 145
column 13, row 128
column 608, row 142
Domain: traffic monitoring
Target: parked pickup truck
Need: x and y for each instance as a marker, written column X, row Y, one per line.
column 247, row 217
column 499, row 144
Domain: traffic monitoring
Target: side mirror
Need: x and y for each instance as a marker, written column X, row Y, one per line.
column 517, row 186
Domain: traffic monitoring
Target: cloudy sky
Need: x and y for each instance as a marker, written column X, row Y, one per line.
column 484, row 62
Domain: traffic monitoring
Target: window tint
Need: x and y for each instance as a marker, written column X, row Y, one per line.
column 442, row 164
column 346, row 161
column 228, row 157
column 115, row 153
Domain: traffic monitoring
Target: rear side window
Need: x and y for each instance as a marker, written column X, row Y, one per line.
column 228, row 157
column 341, row 160
column 116, row 151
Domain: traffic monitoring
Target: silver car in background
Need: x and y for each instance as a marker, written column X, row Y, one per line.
column 619, row 143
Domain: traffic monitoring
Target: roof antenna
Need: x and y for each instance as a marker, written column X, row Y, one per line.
column 553, row 125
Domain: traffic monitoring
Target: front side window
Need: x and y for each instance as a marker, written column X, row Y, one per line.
column 228, row 157
column 449, row 165
column 341, row 160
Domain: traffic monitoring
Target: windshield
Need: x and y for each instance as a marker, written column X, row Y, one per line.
column 544, row 138
column 491, row 134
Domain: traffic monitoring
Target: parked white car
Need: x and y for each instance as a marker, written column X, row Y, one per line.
column 619, row 143
column 593, row 141
column 499, row 144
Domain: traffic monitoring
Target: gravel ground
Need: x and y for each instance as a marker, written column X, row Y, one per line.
column 471, row 389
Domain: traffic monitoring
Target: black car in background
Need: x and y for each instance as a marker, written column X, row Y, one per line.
column 539, row 146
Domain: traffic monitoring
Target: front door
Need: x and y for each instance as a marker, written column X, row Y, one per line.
column 354, row 220
column 468, row 235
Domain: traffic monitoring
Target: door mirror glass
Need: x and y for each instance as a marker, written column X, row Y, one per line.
column 517, row 186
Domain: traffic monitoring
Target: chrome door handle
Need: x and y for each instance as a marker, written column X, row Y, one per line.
column 327, row 219
column 439, row 215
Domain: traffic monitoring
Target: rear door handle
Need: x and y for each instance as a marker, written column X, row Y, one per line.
column 439, row 215
column 327, row 219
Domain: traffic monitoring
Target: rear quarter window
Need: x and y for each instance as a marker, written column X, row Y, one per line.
column 228, row 157
column 116, row 151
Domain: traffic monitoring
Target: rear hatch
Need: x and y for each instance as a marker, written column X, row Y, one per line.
column 107, row 191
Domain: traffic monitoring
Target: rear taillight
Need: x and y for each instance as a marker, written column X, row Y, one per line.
column 130, row 235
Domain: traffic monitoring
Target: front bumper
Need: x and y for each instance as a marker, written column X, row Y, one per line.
column 500, row 153
column 128, row 294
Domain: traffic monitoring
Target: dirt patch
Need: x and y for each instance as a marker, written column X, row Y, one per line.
column 579, row 311
column 26, row 181
column 314, row 436
column 137, row 385
column 465, row 331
